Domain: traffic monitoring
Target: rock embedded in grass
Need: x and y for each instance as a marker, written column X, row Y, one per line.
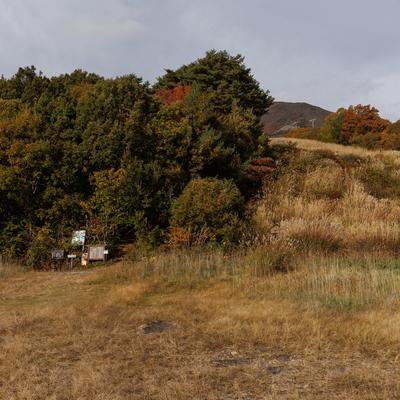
column 274, row 370
column 157, row 327
column 232, row 362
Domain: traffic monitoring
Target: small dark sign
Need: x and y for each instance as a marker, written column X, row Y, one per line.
column 57, row 254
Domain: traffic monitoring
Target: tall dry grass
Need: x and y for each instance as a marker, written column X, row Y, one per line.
column 315, row 279
column 331, row 197
column 7, row 270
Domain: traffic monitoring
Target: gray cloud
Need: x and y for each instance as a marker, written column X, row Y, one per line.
column 328, row 53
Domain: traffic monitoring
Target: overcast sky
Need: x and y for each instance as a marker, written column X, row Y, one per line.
column 328, row 53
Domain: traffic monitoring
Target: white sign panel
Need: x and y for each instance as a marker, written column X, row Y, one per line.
column 96, row 253
column 78, row 238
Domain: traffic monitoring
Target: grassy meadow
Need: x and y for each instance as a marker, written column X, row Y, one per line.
column 306, row 308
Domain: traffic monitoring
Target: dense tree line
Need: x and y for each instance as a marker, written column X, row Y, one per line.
column 357, row 125
column 112, row 156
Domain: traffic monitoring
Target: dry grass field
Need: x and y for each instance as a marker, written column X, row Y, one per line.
column 313, row 145
column 320, row 331
column 308, row 308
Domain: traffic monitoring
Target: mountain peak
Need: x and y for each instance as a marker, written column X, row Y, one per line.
column 283, row 116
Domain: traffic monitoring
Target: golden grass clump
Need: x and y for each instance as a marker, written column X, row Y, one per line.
column 325, row 182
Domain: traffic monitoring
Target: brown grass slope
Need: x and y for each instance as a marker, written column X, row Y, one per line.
column 309, row 309
column 282, row 116
column 341, row 197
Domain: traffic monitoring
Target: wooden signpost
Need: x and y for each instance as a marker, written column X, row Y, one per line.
column 71, row 258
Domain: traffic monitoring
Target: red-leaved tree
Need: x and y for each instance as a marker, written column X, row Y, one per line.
column 170, row 96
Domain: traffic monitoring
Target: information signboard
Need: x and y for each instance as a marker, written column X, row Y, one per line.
column 78, row 238
column 96, row 253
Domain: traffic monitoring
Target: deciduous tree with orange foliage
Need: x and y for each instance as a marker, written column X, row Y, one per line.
column 360, row 124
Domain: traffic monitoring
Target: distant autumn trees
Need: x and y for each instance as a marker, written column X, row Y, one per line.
column 360, row 125
column 390, row 138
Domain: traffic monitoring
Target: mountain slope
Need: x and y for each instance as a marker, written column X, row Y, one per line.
column 283, row 116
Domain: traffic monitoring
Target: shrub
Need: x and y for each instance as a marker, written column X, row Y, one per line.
column 39, row 252
column 209, row 204
column 369, row 140
column 391, row 137
column 380, row 181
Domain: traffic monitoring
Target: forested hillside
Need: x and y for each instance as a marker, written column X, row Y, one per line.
column 112, row 156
